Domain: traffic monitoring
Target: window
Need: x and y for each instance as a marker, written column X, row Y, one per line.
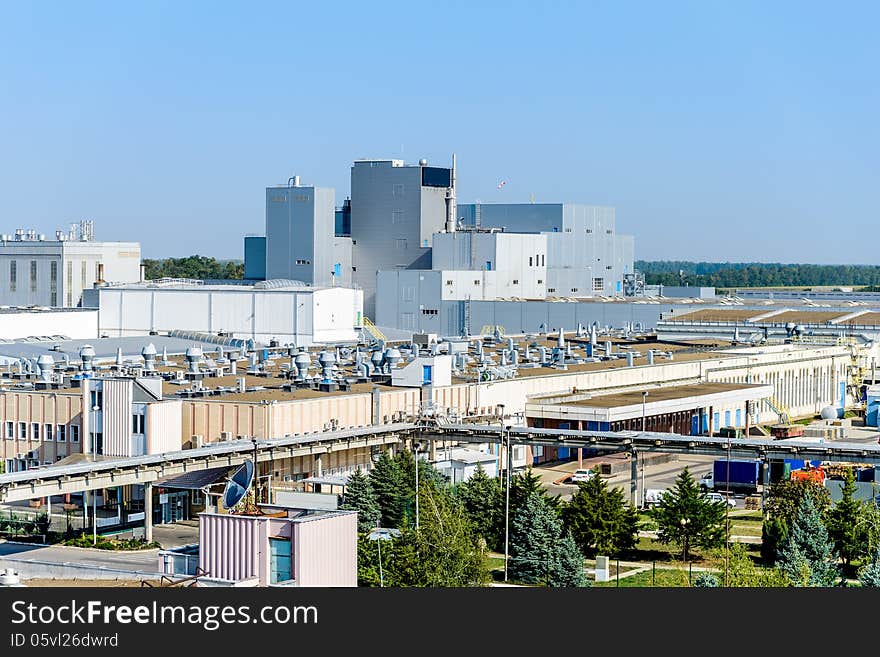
column 449, row 282
column 540, row 281
column 551, row 290
column 97, row 269
column 542, row 259
column 33, row 275
column 400, row 243
column 598, row 284
column 516, row 281
column 397, row 190
column 48, row 434
column 98, row 398
column 607, row 266
column 574, row 289
column 74, row 433
column 22, row 430
column 568, row 230
column 354, row 268
column 530, row 261
column 397, row 216
column 137, row 423
column 428, row 311
column 13, row 275
column 83, row 275
column 589, row 230
column 61, row 434
column 35, row 431
column 69, row 283
column 10, row 431
column 609, row 231
column 303, row 262
column 477, row 281
column 53, row 283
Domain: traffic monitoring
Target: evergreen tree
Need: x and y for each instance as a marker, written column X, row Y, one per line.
column 686, row 518
column 539, row 552
column 523, row 484
column 870, row 574
column 359, row 496
column 850, row 524
column 535, row 528
column 483, row 502
column 600, row 520
column 568, row 565
column 783, row 503
column 807, row 557
column 742, row 571
column 387, row 483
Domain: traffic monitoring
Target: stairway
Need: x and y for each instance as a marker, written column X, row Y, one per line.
column 374, row 330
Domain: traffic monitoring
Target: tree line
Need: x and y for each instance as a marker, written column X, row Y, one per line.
column 806, row 541
column 194, row 266
column 755, row 274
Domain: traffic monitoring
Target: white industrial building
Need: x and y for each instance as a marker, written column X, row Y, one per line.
column 282, row 310
column 35, row 271
column 48, row 323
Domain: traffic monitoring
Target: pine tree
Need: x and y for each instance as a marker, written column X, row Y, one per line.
column 600, row 520
column 540, row 553
column 869, row 576
column 535, row 528
column 849, row 524
column 484, row 504
column 359, row 496
column 568, row 565
column 686, row 518
column 387, row 483
column 524, row 484
column 807, row 557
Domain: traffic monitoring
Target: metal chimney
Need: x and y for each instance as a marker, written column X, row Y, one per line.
column 193, row 356
column 87, row 355
column 149, row 354
column 45, row 363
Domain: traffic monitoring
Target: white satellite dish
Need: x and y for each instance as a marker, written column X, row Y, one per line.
column 238, row 485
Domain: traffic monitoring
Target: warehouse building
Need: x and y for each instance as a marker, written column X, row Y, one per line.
column 35, row 271
column 283, row 310
column 48, row 324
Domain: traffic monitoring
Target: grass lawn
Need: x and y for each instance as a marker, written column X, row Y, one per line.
column 746, row 523
column 662, row 577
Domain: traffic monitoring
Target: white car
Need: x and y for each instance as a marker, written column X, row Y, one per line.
column 582, row 475
column 718, row 497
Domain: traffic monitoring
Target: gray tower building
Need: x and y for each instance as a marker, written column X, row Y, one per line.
column 301, row 242
column 395, row 209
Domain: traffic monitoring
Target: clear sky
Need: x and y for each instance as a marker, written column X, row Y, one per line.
column 719, row 130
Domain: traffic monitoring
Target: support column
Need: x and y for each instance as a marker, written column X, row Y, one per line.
column 580, row 449
column 319, row 470
column 746, row 431
column 148, row 512
column 634, row 478
column 711, row 422
column 765, row 483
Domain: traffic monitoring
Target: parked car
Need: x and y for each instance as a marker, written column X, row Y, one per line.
column 582, row 475
column 653, row 496
column 718, row 497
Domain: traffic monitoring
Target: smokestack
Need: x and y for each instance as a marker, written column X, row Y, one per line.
column 450, row 201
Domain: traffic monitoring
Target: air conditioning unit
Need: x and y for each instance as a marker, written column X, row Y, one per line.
column 179, row 375
column 225, row 435
column 197, row 441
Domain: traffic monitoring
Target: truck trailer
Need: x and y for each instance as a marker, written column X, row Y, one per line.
column 743, row 476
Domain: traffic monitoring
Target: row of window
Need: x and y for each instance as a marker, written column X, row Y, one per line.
column 53, row 277
column 538, row 260
column 49, row 433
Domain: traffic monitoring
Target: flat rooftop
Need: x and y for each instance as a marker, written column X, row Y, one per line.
column 632, row 397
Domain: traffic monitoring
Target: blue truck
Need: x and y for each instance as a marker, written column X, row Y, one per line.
column 743, row 476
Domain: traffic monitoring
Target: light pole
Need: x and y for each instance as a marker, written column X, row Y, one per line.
column 95, row 409
column 416, row 447
column 644, row 399
column 506, row 505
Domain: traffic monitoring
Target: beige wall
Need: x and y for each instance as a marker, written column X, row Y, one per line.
column 42, row 407
column 164, row 420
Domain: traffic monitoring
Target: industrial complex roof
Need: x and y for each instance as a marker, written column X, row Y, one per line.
column 631, row 397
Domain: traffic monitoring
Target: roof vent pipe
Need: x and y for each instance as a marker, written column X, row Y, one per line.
column 629, row 359
column 87, row 355
column 650, row 356
column 149, row 354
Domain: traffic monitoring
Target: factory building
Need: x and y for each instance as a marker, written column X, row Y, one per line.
column 395, row 211
column 48, row 324
column 283, row 310
column 35, row 271
column 301, row 242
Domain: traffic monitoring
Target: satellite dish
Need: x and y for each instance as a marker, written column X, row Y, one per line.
column 238, row 485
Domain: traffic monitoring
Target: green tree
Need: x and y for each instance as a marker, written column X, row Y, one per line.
column 851, row 524
column 600, row 520
column 742, row 572
column 445, row 551
column 386, row 481
column 807, row 557
column 539, row 552
column 870, row 574
column 359, row 496
column 686, row 518
column 483, row 502
column 783, row 502
column 568, row 565
column 523, row 484
column 194, row 266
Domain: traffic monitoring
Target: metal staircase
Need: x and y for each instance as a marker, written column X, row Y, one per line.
column 374, row 330
column 780, row 409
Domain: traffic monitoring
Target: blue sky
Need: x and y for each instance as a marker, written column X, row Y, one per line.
column 719, row 130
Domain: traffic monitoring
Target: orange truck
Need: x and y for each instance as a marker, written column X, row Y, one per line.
column 814, row 474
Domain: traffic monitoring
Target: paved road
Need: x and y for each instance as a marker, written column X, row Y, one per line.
column 142, row 561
